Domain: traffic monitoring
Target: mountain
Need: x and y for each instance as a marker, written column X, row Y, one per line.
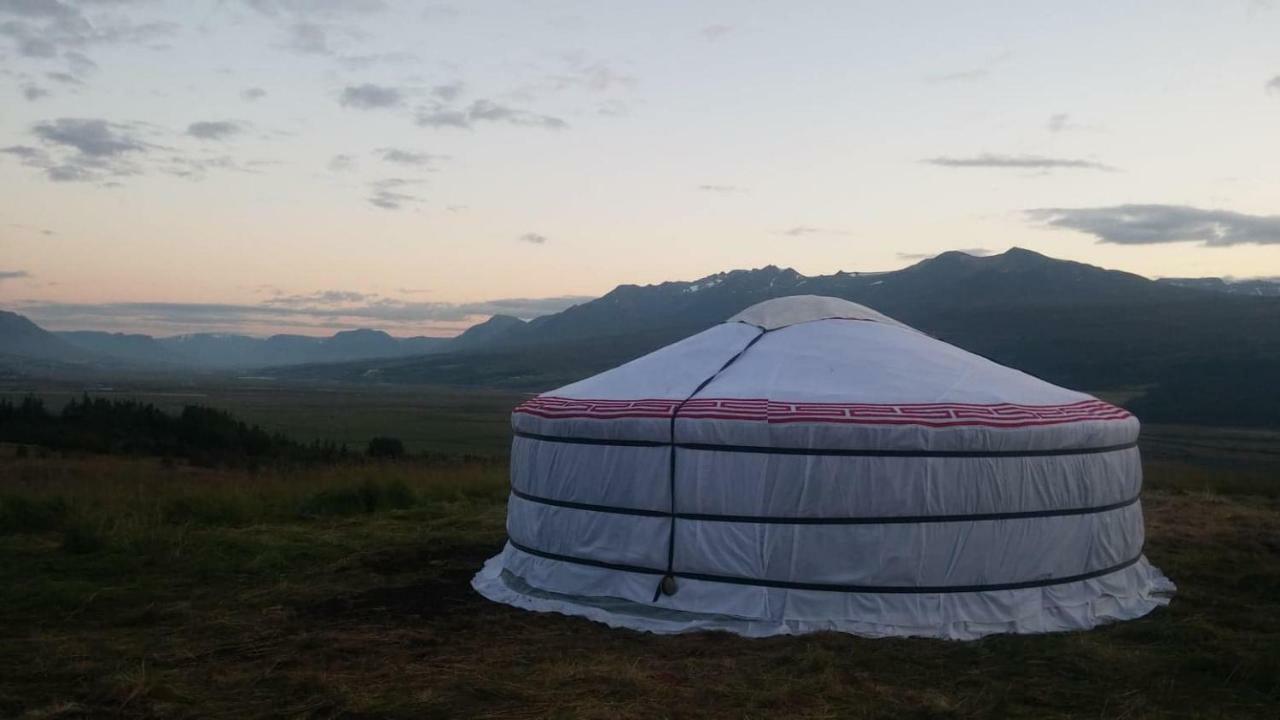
column 142, row 349
column 494, row 331
column 1260, row 287
column 19, row 337
column 240, row 351
column 1185, row 354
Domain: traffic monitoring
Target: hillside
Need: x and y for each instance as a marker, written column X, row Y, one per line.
column 21, row 338
column 1191, row 355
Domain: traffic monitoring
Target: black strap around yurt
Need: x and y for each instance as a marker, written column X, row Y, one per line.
column 828, row 520
column 666, row 584
column 831, row 587
column 830, row 452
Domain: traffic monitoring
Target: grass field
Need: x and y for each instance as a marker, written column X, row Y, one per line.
column 427, row 419
column 135, row 588
column 140, row 588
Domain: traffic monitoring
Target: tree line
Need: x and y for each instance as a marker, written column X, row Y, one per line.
column 201, row 435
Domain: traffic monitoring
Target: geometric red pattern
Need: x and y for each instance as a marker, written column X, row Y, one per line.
column 774, row 411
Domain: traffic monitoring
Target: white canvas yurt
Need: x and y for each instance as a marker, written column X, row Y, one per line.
column 813, row 465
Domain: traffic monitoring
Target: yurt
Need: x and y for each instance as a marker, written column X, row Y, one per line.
column 811, row 464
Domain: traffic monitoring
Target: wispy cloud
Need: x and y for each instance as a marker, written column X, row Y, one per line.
column 214, row 129
column 1016, row 162
column 969, row 74
column 392, row 194
column 322, row 297
column 485, row 111
column 715, row 32
column 104, row 151
column 342, row 163
column 47, row 29
column 533, row 238
column 253, row 94
column 726, row 189
column 321, row 8
column 1156, row 224
column 82, row 149
column 1273, row 85
column 449, row 91
column 34, row 92
column 14, row 275
column 369, row 96
column 309, row 38
column 415, row 158
column 803, row 230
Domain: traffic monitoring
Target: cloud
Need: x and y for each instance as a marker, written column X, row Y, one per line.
column 596, row 77
column 971, row 74
column 13, row 275
column 1017, row 162
column 369, row 96
column 64, row 78
column 79, row 62
column 1154, row 224
column 975, row 252
column 24, row 152
column 533, row 238
column 34, row 92
column 44, row 29
column 214, row 129
column 324, row 8
column 252, row 94
column 98, row 150
column 408, row 157
column 485, row 111
column 803, row 230
column 715, row 32
column 721, row 188
column 389, row 194
column 1273, row 85
column 1059, row 122
column 449, row 91
column 342, row 163
column 309, row 39
column 91, row 137
column 323, row 297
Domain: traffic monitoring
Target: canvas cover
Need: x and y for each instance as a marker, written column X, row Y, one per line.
column 813, row 465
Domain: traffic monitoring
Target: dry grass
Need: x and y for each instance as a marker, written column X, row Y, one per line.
column 201, row 593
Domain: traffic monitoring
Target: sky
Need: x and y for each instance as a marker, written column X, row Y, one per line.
column 306, row 166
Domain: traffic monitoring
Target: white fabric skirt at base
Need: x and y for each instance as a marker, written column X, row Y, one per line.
column 1126, row 594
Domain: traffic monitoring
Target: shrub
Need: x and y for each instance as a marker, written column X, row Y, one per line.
column 21, row 514
column 80, row 539
column 385, row 448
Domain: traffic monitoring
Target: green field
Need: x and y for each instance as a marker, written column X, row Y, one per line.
column 141, row 588
column 427, row 419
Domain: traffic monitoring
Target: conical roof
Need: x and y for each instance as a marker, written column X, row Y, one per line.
column 794, row 309
column 798, row 370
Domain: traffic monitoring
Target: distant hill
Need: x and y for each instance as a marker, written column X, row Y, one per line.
column 229, row 351
column 1261, row 287
column 1190, row 354
column 19, row 337
column 142, row 349
column 1181, row 351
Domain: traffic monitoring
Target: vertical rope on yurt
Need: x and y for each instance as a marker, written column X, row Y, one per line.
column 667, row 585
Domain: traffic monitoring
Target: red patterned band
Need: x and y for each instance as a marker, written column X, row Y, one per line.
column 772, row 411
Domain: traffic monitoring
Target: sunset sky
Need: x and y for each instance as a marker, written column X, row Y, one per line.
column 310, row 165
